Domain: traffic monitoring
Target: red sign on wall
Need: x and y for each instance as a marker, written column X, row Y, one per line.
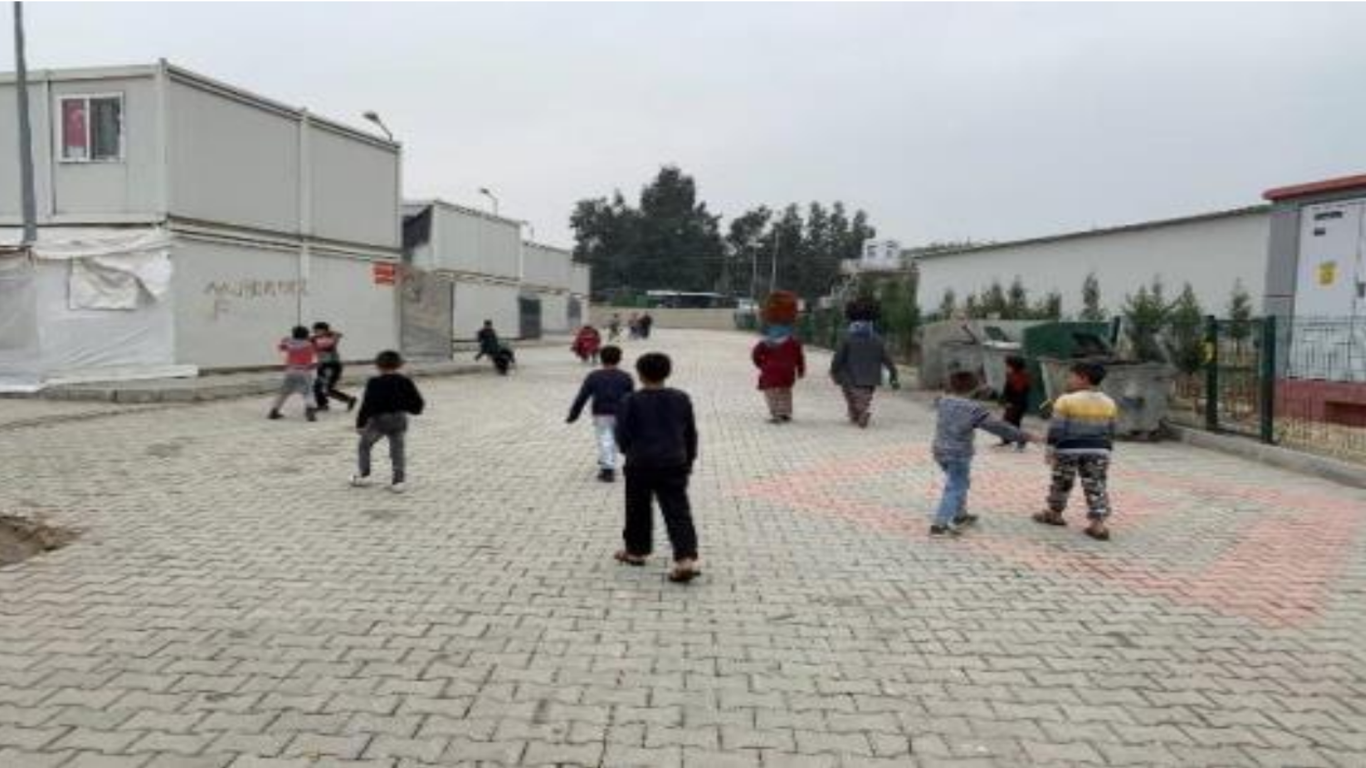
column 385, row 274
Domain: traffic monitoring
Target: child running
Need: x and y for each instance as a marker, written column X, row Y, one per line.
column 300, row 360
column 1081, row 435
column 606, row 387
column 781, row 362
column 658, row 436
column 1016, row 394
column 959, row 417
column 388, row 400
column 587, row 344
column 326, row 341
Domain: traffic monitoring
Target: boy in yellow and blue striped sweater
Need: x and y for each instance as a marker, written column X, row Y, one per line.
column 1081, row 435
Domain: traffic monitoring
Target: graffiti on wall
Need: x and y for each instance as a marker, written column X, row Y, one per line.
column 225, row 292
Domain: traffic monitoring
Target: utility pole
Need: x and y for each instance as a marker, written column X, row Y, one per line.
column 773, row 274
column 30, row 198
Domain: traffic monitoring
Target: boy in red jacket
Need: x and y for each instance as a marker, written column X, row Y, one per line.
column 781, row 362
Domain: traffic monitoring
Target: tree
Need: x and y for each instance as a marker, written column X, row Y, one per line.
column 1145, row 314
column 1049, row 308
column 1091, row 310
column 604, row 234
column 1239, row 317
column 1017, row 301
column 900, row 313
column 679, row 242
column 1185, row 335
column 744, row 250
column 993, row 301
column 948, row 305
column 785, row 244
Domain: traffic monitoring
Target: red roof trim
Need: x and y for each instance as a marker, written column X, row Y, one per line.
column 1315, row 188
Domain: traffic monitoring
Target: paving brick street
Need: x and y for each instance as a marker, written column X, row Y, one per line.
column 232, row 602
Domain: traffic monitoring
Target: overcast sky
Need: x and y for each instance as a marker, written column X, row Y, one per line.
column 943, row 121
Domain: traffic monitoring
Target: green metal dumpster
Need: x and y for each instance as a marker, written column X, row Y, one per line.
column 1061, row 340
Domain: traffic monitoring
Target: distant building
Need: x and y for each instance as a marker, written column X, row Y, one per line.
column 1209, row 251
column 525, row 288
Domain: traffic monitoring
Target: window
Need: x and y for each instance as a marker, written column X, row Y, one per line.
column 92, row 129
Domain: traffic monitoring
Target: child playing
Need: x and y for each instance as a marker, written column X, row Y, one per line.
column 1081, row 434
column 587, row 344
column 958, row 419
column 388, row 400
column 1016, row 394
column 658, row 436
column 326, row 341
column 781, row 362
column 607, row 387
column 300, row 359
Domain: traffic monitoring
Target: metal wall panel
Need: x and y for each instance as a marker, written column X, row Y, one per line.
column 547, row 267
column 355, row 196
column 232, row 162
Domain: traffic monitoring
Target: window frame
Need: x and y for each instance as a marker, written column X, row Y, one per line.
column 89, row 139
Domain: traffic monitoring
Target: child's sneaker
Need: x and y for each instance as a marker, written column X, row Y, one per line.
column 360, row 481
column 607, row 475
column 964, row 520
column 398, row 488
column 945, row 530
column 273, row 415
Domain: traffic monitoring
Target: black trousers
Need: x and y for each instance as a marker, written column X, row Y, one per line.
column 325, row 384
column 670, row 487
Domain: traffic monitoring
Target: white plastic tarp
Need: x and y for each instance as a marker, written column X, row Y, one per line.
column 101, row 305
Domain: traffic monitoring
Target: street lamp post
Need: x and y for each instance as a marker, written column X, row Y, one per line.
column 374, row 117
column 29, row 197
column 486, row 193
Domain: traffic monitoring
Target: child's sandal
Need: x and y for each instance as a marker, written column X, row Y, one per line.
column 684, row 572
column 622, row 556
column 1049, row 518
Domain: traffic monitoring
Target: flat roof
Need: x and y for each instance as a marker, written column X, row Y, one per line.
column 1340, row 184
column 1228, row 214
column 436, row 202
column 78, row 74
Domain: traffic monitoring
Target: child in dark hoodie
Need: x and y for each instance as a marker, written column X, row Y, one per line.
column 388, row 400
column 606, row 387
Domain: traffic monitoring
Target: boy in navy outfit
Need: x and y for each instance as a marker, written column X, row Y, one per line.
column 658, row 435
column 606, row 387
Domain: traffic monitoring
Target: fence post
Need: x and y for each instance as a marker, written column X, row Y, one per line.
column 1211, row 373
column 1266, row 380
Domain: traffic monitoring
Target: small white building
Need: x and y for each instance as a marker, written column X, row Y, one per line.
column 526, row 289
column 187, row 224
column 1209, row 251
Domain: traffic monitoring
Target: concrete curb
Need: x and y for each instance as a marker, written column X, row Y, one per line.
column 1284, row 458
column 204, row 389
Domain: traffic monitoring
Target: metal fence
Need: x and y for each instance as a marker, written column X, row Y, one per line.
column 1295, row 382
column 1321, row 394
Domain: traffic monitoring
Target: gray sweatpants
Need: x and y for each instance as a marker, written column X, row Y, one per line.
column 393, row 426
column 295, row 383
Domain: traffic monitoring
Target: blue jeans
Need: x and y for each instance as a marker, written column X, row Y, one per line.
column 957, row 481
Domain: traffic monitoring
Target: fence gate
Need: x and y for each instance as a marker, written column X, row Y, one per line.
column 426, row 314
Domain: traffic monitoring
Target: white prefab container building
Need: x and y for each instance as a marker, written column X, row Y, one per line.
column 524, row 288
column 1209, row 251
column 549, row 274
column 271, row 217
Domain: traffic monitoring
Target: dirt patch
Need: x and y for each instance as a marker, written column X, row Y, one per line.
column 22, row 538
